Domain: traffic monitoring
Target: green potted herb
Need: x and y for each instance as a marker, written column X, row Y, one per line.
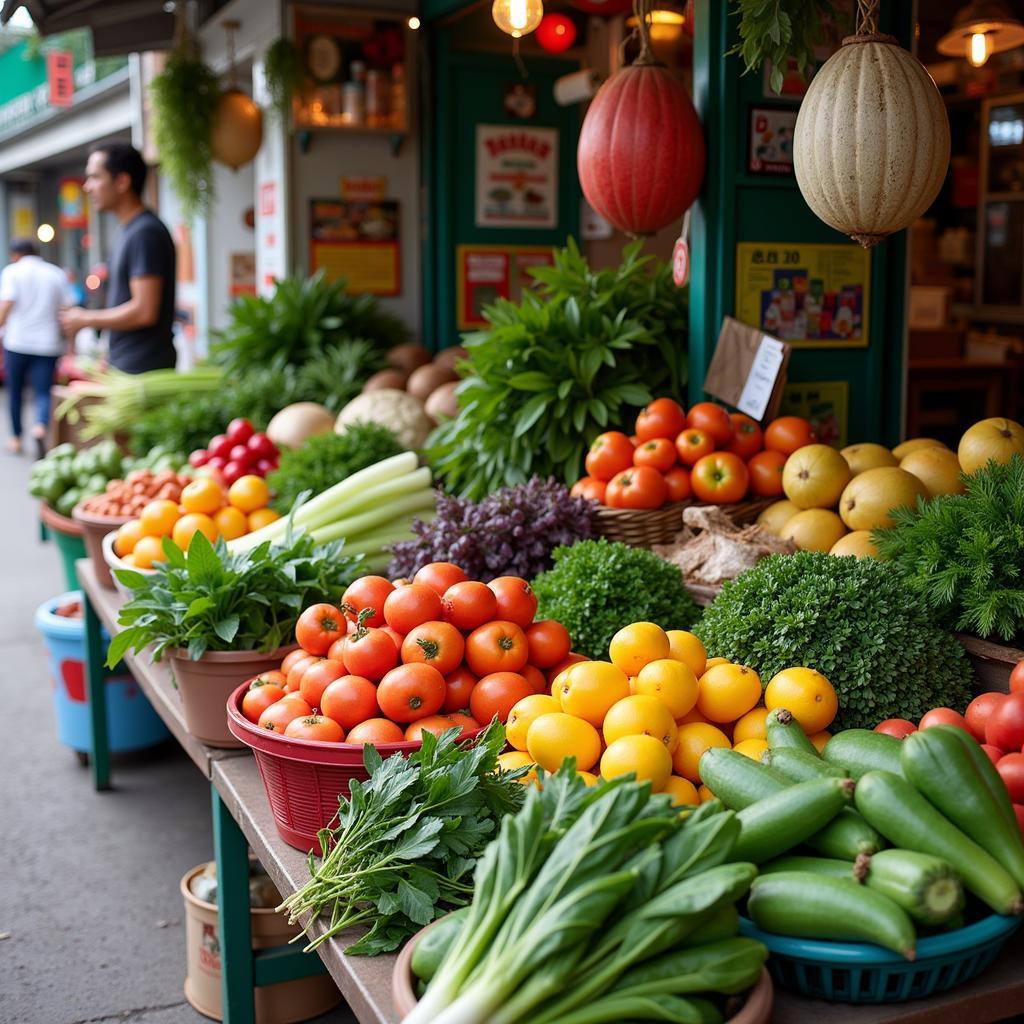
column 222, row 617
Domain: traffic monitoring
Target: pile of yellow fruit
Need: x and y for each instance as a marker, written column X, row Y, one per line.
column 205, row 507
column 655, row 707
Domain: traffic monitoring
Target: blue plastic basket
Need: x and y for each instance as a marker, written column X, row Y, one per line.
column 853, row 972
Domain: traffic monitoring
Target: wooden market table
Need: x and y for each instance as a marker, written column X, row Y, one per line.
column 242, row 819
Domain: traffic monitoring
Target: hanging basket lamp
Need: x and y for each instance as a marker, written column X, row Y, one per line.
column 237, row 131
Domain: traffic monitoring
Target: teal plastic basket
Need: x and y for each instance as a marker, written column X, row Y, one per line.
column 852, row 972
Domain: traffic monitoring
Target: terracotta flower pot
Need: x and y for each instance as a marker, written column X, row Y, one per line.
column 94, row 529
column 206, row 684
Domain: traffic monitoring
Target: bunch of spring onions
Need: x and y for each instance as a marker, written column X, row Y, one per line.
column 125, row 396
column 369, row 510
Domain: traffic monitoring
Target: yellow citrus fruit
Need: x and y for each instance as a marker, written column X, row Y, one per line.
column 591, row 689
column 202, row 495
column 191, row 523
column 712, row 662
column 552, row 738
column 230, row 522
column 751, row 726
column 727, row 692
column 260, row 518
column 249, row 493
column 752, row 748
column 147, row 551
column 694, row 739
column 588, row 777
column 522, row 715
column 157, row 519
column 559, row 681
column 643, row 755
column 636, row 645
column 682, row 791
column 672, row 682
column 806, row 694
column 640, row 715
column 705, row 794
column 819, row 739
column 516, row 759
column 128, row 536
column 687, row 648
column 690, row 717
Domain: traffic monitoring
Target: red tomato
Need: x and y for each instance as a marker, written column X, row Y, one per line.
column 978, row 711
column 496, row 694
column 260, row 695
column 411, row 606
column 898, row 727
column 437, row 724
column 273, row 676
column 1005, row 726
column 468, row 605
column 1019, row 811
column 1011, row 768
column 396, row 637
column 317, row 678
column 410, row 692
column 1017, row 678
column 765, row 469
column 994, row 753
column 788, row 433
column 350, row 700
column 296, row 672
column 548, row 642
column 747, row 439
column 438, row 644
column 720, row 478
column 713, row 419
column 571, row 659
column 458, row 686
column 315, row 727
column 610, row 453
column 663, row 418
column 290, row 658
column 496, row 647
column 535, row 678
column 367, row 592
column 943, row 716
column 239, row 430
column 639, row 487
column 658, row 453
column 440, row 576
column 589, row 487
column 677, row 482
column 371, row 653
column 516, row 600
column 693, row 444
column 376, row 731
column 278, row 715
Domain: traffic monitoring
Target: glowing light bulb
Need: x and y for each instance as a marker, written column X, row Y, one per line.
column 517, row 17
column 977, row 49
column 413, row 23
column 45, row 233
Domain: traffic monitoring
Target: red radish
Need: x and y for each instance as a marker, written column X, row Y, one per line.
column 241, row 455
column 1011, row 768
column 943, row 716
column 239, row 430
column 1005, row 728
column 1019, row 811
column 232, row 471
column 898, row 727
column 200, row 457
column 978, row 711
column 220, row 446
column 1017, row 678
column 994, row 753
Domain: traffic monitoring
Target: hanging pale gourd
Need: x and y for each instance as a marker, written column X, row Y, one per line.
column 641, row 150
column 237, row 129
column 871, row 143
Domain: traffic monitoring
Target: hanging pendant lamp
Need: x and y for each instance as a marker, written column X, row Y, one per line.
column 980, row 29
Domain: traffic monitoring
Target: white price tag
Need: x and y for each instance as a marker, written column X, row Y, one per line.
column 764, row 371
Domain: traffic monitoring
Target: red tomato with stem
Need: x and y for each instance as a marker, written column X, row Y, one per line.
column 496, row 694
column 712, row 419
column 658, row 453
column 411, row 692
column 663, row 418
column 376, row 731
column 571, row 659
column 1011, row 768
column 898, row 727
column 350, row 700
column 677, row 482
column 318, row 728
column 787, row 433
column 496, row 647
column 440, row 576
column 693, row 444
column 469, row 604
column 411, row 606
column 279, row 714
column 720, row 478
column 260, row 695
column 994, row 753
column 589, row 487
column 747, row 438
column 535, row 678
column 367, row 592
column 516, row 600
column 548, row 642
column 370, row 653
column 468, row 722
column 1017, row 678
column 437, row 724
column 943, row 716
column 978, row 711
column 239, row 430
column 639, row 487
column 765, row 469
column 290, row 658
column 317, row 678
column 438, row 644
column 1005, row 726
column 458, row 686
column 297, row 671
column 610, row 453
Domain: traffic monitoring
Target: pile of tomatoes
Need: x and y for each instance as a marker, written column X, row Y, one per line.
column 709, row 454
column 396, row 659
column 240, row 451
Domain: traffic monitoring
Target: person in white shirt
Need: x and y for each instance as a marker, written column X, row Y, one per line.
column 32, row 293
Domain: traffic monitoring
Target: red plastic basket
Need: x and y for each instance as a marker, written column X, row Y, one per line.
column 304, row 778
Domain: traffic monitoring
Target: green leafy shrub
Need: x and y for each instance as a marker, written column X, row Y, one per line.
column 963, row 554
column 854, row 620
column 598, row 586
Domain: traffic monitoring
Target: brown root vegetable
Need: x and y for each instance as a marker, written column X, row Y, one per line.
column 390, row 378
column 448, row 357
column 427, row 379
column 442, row 403
column 408, row 357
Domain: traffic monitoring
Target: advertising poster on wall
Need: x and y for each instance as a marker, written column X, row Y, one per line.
column 825, row 403
column 485, row 273
column 358, row 241
column 771, row 140
column 516, row 176
column 812, row 296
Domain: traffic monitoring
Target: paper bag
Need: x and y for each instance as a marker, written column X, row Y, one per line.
column 748, row 370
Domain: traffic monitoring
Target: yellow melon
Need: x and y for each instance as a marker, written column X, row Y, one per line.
column 901, row 451
column 814, row 529
column 997, row 439
column 814, row 476
column 937, row 468
column 858, row 544
column 776, row 515
column 867, row 456
column 869, row 497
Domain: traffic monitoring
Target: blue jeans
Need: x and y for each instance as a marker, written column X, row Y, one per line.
column 39, row 371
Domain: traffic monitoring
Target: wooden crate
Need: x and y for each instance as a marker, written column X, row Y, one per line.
column 992, row 662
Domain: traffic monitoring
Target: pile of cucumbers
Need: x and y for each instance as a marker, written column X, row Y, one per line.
column 876, row 839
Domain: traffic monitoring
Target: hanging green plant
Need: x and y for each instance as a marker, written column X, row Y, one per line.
column 283, row 74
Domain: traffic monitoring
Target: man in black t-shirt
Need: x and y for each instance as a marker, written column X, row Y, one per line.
column 140, row 286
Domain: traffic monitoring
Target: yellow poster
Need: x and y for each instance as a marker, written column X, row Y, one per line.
column 810, row 296
column 825, row 403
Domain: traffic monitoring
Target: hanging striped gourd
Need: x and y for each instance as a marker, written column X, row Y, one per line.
column 871, row 143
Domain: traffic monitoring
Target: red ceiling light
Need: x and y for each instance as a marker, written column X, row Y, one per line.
column 556, row 33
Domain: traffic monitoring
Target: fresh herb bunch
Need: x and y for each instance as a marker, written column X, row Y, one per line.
column 212, row 599
column 509, row 533
column 854, row 620
column 326, row 459
column 184, row 423
column 963, row 554
column 304, row 317
column 598, row 586
column 283, row 74
column 581, row 353
column 406, row 841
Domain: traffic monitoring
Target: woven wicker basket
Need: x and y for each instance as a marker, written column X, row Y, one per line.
column 745, row 512
column 641, row 527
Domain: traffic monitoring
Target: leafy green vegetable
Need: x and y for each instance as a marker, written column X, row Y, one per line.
column 598, row 586
column 577, row 356
column 854, row 620
column 963, row 554
column 325, row 459
column 213, row 599
column 406, row 842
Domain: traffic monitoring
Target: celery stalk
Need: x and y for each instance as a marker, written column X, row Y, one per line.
column 379, row 516
column 369, row 499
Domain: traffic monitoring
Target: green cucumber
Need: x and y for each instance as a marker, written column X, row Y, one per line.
column 908, row 820
column 778, row 823
column 846, row 836
column 926, row 887
column 807, row 905
column 432, row 948
column 799, row 766
column 784, row 732
column 861, row 750
column 723, row 923
column 818, row 865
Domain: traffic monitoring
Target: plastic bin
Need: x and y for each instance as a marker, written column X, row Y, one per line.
column 132, row 724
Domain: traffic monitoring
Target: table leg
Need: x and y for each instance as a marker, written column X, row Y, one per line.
column 96, row 687
column 237, row 971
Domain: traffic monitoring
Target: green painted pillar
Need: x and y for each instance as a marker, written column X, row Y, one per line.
column 96, row 687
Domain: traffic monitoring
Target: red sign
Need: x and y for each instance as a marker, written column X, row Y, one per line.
column 60, row 75
column 268, row 199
